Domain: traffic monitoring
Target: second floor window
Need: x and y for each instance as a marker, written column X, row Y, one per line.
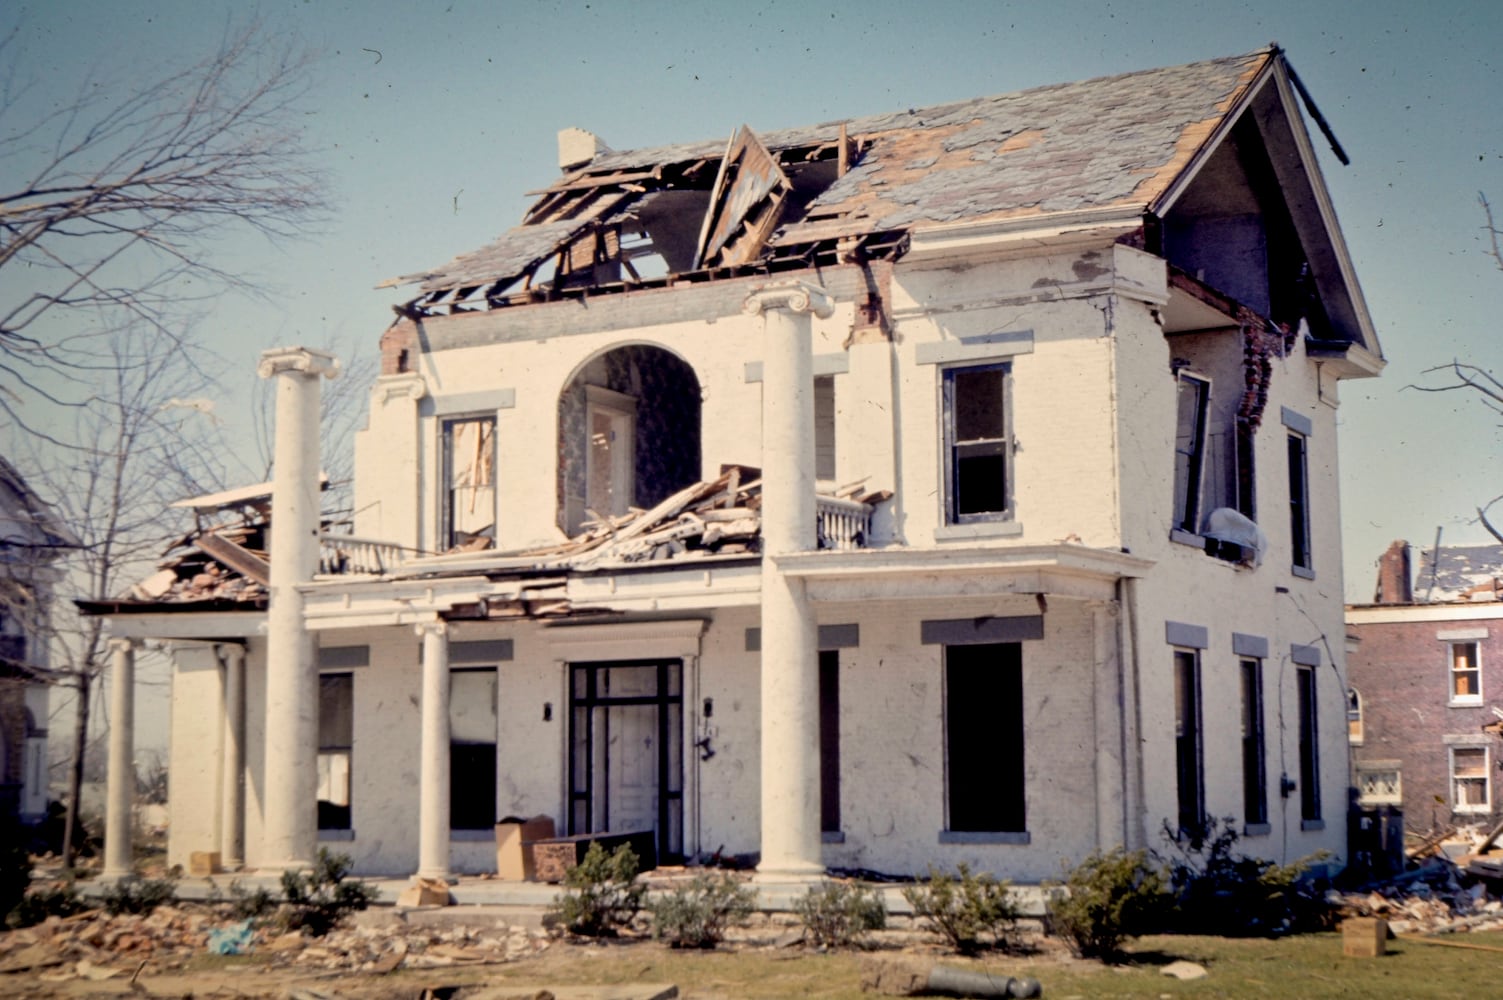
column 978, row 444
column 1189, row 450
column 1466, row 674
column 469, row 482
column 1299, row 503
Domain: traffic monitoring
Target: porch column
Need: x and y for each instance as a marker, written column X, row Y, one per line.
column 1111, row 818
column 121, row 776
column 291, row 795
column 791, row 842
column 232, row 816
column 433, row 754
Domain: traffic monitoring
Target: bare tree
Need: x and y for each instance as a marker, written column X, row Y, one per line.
column 118, row 194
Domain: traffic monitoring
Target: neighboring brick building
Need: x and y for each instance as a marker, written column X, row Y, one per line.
column 1426, row 673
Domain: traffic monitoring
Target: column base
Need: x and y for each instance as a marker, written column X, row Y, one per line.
column 446, row 877
column 789, row 873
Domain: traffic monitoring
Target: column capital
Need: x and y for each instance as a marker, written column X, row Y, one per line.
column 300, row 360
column 794, row 295
column 121, row 644
column 407, row 385
column 425, row 629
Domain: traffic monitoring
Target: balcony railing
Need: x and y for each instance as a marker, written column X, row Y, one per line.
column 341, row 554
column 842, row 524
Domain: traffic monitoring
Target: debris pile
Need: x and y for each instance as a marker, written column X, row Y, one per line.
column 1436, row 898
column 94, row 945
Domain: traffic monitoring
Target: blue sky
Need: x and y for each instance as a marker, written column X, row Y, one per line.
column 433, row 120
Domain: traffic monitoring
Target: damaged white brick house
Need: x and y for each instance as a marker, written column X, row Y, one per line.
column 988, row 456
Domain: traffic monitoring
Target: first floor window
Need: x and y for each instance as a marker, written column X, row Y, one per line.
column 1466, row 674
column 472, row 749
column 984, row 738
column 1254, row 785
column 978, row 444
column 469, row 478
column 1189, row 449
column 829, row 741
column 336, row 739
column 1188, row 754
column 1470, row 792
column 1309, row 753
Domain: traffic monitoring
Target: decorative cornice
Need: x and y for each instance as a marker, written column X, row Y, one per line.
column 406, row 385
column 302, row 360
column 795, row 296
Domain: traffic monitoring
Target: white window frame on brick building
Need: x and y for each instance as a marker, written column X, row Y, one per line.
column 1464, row 669
column 1476, row 773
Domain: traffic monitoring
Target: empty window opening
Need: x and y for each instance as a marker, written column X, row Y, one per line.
column 978, row 447
column 1254, row 781
column 829, row 741
column 472, row 749
column 1470, row 787
column 1466, row 674
column 469, row 476
column 1188, row 751
column 984, row 742
column 336, row 740
column 1194, row 394
column 1299, row 502
column 1309, row 749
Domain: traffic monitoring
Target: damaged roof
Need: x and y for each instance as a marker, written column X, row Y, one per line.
column 1112, row 145
column 1460, row 573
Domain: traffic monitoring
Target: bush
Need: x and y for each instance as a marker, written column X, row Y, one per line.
column 134, row 894
column 839, row 914
column 317, row 901
column 250, row 904
column 58, row 900
column 1219, row 891
column 601, row 894
column 1106, row 899
column 970, row 911
column 697, row 915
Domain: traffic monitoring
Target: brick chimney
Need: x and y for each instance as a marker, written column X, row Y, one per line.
column 1395, row 576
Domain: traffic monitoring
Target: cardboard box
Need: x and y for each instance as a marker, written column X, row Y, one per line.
column 204, row 863
column 513, row 859
column 1364, row 937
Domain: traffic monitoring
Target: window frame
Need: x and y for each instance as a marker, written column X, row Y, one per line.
column 621, row 410
column 1004, row 446
column 1308, row 708
column 1190, row 491
column 1453, row 673
column 1484, row 775
column 1301, row 556
column 1356, row 723
column 1189, row 743
column 461, row 806
column 1005, row 740
column 448, row 491
column 1254, row 743
column 327, row 819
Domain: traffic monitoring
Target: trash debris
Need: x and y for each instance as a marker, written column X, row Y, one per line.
column 1184, row 970
column 234, row 939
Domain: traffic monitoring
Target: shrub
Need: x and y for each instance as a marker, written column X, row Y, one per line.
column 250, row 904
column 1219, row 891
column 1107, row 898
column 697, row 915
column 134, row 894
column 839, row 914
column 601, row 893
column 58, row 900
column 970, row 911
column 318, row 900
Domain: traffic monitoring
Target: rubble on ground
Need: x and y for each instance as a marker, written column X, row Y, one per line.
column 1437, row 898
column 95, row 945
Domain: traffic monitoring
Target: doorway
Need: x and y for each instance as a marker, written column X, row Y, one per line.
column 626, row 760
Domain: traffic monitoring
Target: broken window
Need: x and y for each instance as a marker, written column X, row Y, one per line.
column 829, row 741
column 1299, row 503
column 1470, row 790
column 1188, row 752
column 984, row 738
column 1354, row 729
column 1466, row 674
column 978, row 446
column 1189, row 449
column 336, row 738
column 824, row 428
column 472, row 749
column 1254, row 783
column 1309, row 750
column 469, row 477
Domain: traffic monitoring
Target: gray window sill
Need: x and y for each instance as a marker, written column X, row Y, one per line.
column 978, row 529
column 336, row 835
column 1303, row 572
column 472, row 836
column 1020, row 837
column 1183, row 537
column 1257, row 830
column 1312, row 824
column 832, row 837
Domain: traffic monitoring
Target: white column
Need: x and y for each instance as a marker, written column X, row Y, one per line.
column 1111, row 817
column 121, row 776
column 433, row 780
column 791, row 842
column 232, row 825
column 290, row 837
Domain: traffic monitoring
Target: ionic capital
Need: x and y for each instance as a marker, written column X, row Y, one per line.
column 298, row 360
column 794, row 295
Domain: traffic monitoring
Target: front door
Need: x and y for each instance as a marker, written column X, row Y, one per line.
column 626, row 760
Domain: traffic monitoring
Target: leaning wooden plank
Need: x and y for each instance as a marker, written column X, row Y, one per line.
column 668, row 508
column 239, row 559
